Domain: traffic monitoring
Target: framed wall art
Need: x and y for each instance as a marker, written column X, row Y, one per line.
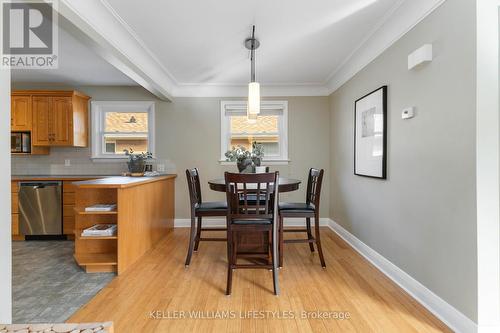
column 370, row 134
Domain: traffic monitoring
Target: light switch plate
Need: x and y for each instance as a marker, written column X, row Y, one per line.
column 408, row 113
column 160, row 167
column 67, row 163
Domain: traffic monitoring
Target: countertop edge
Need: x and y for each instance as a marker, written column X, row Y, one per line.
column 134, row 181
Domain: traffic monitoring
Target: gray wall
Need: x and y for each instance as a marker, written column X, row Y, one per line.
column 423, row 217
column 188, row 135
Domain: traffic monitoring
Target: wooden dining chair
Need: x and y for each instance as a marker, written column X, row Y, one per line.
column 307, row 210
column 200, row 209
column 246, row 216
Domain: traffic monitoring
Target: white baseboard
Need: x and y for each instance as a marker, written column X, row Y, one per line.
column 221, row 222
column 456, row 320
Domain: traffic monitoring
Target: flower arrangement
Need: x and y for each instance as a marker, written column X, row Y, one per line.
column 246, row 160
column 137, row 161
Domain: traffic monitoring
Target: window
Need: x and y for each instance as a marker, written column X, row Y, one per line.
column 117, row 126
column 270, row 129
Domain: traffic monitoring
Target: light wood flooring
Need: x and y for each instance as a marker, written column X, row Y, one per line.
column 155, row 292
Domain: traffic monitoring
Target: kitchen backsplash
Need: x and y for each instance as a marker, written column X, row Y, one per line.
column 80, row 164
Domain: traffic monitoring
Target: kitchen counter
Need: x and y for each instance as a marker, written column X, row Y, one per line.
column 120, row 182
column 144, row 214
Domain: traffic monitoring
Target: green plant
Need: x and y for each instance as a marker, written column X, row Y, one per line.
column 137, row 157
column 240, row 153
column 137, row 162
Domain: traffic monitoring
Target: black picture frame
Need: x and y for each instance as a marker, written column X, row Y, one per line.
column 383, row 159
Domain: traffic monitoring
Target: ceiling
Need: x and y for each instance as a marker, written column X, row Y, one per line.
column 302, row 42
column 78, row 65
column 195, row 47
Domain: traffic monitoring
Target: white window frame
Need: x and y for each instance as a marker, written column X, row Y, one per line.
column 98, row 110
column 241, row 106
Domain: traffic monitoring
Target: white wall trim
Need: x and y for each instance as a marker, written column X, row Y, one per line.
column 279, row 108
column 487, row 165
column 5, row 199
column 97, row 111
column 439, row 307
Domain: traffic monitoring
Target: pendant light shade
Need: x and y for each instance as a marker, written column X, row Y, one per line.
column 253, row 98
column 253, row 108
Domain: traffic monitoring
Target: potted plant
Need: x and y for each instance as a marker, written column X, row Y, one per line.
column 137, row 162
column 246, row 160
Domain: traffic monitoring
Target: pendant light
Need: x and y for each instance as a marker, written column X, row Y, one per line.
column 253, row 108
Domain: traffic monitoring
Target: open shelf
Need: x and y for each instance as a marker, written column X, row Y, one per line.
column 81, row 211
column 96, row 237
column 96, row 259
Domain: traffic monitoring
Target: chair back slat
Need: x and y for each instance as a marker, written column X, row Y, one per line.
column 193, row 180
column 314, row 182
column 251, row 195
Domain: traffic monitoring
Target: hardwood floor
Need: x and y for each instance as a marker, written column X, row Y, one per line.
column 349, row 285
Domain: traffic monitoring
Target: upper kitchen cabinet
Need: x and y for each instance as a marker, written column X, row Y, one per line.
column 20, row 116
column 60, row 118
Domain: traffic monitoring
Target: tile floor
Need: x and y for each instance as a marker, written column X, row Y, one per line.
column 47, row 285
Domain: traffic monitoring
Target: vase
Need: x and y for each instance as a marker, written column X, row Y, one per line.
column 248, row 165
column 136, row 166
column 245, row 165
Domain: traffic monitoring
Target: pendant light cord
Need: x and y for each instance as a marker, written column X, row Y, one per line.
column 252, row 57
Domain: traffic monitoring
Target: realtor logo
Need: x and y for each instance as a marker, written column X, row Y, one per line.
column 29, row 34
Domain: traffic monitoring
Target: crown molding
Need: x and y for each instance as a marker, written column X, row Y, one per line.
column 241, row 90
column 401, row 19
column 113, row 39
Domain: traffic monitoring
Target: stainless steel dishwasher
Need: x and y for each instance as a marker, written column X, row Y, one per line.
column 40, row 210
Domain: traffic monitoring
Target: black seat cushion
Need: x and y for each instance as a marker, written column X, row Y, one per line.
column 252, row 221
column 212, row 205
column 296, row 207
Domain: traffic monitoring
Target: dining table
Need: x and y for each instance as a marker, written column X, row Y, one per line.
column 284, row 184
column 256, row 242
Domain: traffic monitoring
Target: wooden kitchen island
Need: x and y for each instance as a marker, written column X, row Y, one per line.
column 144, row 215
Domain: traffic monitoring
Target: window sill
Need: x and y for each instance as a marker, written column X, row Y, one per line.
column 109, row 159
column 264, row 163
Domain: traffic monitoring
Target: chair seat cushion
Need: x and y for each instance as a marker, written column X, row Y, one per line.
column 252, row 221
column 296, row 207
column 212, row 205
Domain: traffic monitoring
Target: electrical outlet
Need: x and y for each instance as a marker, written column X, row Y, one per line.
column 160, row 167
column 67, row 163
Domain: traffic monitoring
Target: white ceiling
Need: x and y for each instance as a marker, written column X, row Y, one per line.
column 302, row 42
column 195, row 47
column 78, row 65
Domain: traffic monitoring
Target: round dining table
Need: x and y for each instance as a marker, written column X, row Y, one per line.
column 285, row 184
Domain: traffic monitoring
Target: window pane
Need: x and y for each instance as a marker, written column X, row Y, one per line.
column 263, row 125
column 110, row 147
column 265, row 131
column 116, row 143
column 126, row 122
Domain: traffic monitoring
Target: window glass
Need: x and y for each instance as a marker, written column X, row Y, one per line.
column 126, row 122
column 265, row 130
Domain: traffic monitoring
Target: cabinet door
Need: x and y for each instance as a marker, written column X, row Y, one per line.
column 20, row 116
column 41, row 108
column 61, row 121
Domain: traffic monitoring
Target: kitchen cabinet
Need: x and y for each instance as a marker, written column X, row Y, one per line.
column 41, row 131
column 20, row 115
column 59, row 118
column 14, row 192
